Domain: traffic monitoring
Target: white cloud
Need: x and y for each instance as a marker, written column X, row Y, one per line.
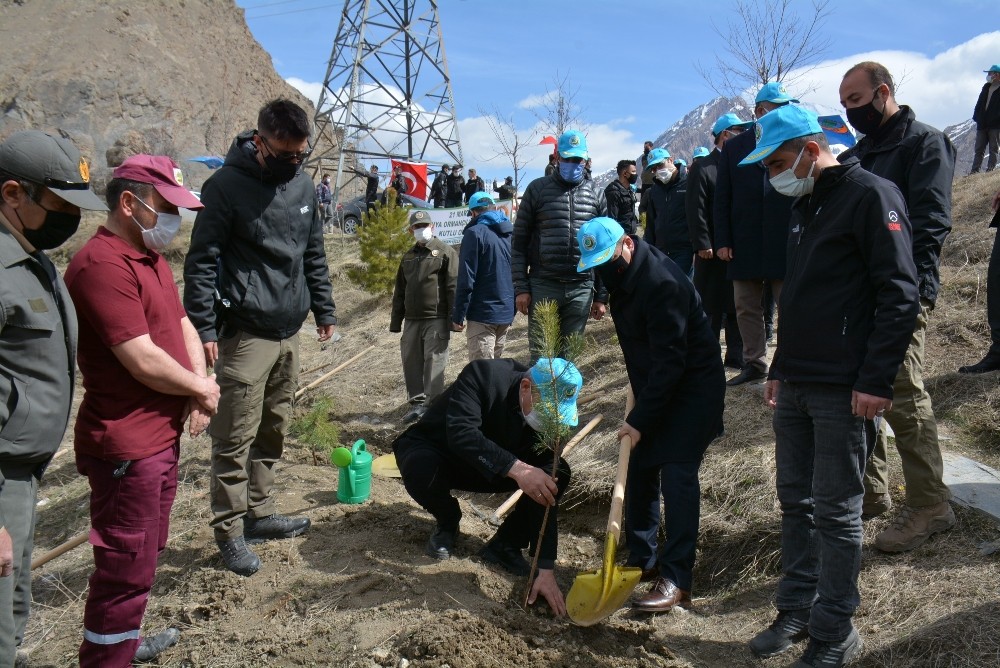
column 311, row 89
column 535, row 101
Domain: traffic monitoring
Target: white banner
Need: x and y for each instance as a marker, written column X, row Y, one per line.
column 450, row 223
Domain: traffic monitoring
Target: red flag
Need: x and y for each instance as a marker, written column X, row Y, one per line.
column 548, row 139
column 415, row 174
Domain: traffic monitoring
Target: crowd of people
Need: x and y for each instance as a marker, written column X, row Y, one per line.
column 848, row 247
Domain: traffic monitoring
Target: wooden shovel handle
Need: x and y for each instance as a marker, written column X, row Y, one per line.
column 328, row 374
column 618, row 495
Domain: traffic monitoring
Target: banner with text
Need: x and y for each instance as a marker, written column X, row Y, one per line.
column 450, row 223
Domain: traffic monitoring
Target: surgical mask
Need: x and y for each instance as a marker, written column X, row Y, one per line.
column 632, row 178
column 571, row 171
column 788, row 184
column 326, row 182
column 160, row 235
column 57, row 227
column 866, row 119
column 280, row 171
column 612, row 273
column 423, row 234
column 665, row 173
column 532, row 419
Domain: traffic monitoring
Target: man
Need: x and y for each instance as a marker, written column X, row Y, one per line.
column 920, row 160
column 588, row 169
column 847, row 309
column 663, row 203
column 543, row 256
column 751, row 231
column 480, row 436
column 715, row 289
column 553, row 165
column 422, row 299
column 987, row 118
column 456, row 187
column 620, row 196
column 485, row 293
column 439, row 187
column 699, row 153
column 258, row 239
column 397, row 184
column 991, row 362
column 642, row 164
column 44, row 182
column 473, row 185
column 675, row 371
column 506, row 191
column 371, row 185
column 325, row 197
column 143, row 374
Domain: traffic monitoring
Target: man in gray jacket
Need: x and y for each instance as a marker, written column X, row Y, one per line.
column 258, row 245
column 43, row 185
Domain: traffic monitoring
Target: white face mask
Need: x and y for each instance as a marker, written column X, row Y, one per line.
column 423, row 234
column 788, row 184
column 161, row 234
column 665, row 173
column 532, row 419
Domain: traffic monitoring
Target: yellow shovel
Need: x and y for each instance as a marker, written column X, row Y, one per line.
column 596, row 595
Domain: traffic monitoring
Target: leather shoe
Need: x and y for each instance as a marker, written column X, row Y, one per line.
column 985, row 365
column 506, row 557
column 442, row 543
column 748, row 375
column 663, row 596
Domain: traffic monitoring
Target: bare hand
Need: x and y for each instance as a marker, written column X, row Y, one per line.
column 208, row 395
column 771, row 393
column 725, row 254
column 211, row 353
column 597, row 310
column 869, row 406
column 199, row 419
column 546, row 585
column 631, row 432
column 458, row 327
column 325, row 332
column 6, row 554
column 706, row 254
column 536, row 484
column 522, row 302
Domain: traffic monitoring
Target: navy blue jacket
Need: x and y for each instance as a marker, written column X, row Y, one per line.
column 666, row 217
column 485, row 291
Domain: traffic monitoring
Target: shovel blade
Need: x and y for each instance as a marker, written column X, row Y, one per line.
column 385, row 466
column 596, row 595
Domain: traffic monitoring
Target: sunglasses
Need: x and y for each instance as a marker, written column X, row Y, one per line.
column 286, row 156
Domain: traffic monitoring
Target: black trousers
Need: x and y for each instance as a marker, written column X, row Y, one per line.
column 430, row 473
column 993, row 297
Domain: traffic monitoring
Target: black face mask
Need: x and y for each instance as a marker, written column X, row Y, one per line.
column 57, row 227
column 279, row 171
column 613, row 273
column 632, row 178
column 866, row 119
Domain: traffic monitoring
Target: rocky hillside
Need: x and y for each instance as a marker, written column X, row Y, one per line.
column 180, row 77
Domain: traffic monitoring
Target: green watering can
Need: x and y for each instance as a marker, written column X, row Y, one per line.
column 355, row 485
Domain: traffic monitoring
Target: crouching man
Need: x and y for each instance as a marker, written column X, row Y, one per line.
column 480, row 435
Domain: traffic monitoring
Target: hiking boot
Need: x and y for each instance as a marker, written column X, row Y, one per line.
column 820, row 653
column 749, row 374
column 22, row 659
column 989, row 363
column 913, row 526
column 875, row 505
column 152, row 647
column 415, row 414
column 788, row 628
column 273, row 527
column 506, row 556
column 238, row 558
column 442, row 543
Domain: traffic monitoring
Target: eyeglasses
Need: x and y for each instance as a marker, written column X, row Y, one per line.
column 286, row 156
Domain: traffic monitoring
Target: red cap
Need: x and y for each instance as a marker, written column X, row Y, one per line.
column 163, row 174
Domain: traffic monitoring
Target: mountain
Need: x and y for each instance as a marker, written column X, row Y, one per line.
column 179, row 77
column 963, row 136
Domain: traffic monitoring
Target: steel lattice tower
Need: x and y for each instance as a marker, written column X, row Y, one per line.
column 387, row 92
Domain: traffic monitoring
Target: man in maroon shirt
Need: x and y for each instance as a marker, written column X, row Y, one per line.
column 143, row 374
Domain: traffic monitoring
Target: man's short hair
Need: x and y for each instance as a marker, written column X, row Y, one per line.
column 113, row 193
column 32, row 189
column 282, row 119
column 877, row 73
column 647, row 143
column 799, row 142
column 623, row 165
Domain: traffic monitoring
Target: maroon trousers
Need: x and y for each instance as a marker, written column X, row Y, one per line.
column 129, row 520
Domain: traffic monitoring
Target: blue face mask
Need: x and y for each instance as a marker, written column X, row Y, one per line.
column 571, row 171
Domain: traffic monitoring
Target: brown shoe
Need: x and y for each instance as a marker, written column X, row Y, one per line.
column 663, row 596
column 913, row 526
column 875, row 505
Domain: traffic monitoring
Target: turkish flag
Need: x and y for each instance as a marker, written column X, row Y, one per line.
column 415, row 174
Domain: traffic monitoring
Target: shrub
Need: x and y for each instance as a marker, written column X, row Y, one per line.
column 383, row 238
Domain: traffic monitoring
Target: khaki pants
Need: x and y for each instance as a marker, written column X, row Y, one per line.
column 424, row 348
column 17, row 503
column 486, row 342
column 750, row 318
column 912, row 420
column 258, row 378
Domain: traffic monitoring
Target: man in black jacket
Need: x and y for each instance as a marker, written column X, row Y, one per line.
column 507, row 190
column 991, row 362
column 543, row 255
column 257, row 256
column 620, row 195
column 848, row 306
column 455, row 189
column 987, row 118
column 480, row 436
column 675, row 370
column 439, row 187
column 473, row 185
column 666, row 218
column 371, row 185
column 920, row 160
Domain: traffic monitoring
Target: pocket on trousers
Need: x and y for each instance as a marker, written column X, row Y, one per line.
column 118, row 539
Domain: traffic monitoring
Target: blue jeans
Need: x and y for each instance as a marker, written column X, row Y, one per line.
column 820, row 452
column 574, row 300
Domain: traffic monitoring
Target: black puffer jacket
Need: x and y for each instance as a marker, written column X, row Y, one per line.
column 552, row 211
column 920, row 160
column 987, row 117
column 621, row 205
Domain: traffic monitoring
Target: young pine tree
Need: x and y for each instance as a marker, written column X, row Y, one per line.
column 383, row 238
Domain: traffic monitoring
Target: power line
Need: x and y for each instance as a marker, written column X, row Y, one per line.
column 294, row 11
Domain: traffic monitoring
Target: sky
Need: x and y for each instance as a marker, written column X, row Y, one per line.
column 635, row 64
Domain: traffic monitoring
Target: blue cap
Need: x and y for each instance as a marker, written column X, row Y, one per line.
column 776, row 127
column 995, row 68
column 573, row 144
column 567, row 386
column 700, row 152
column 597, row 239
column 656, row 156
column 727, row 121
column 774, row 92
column 680, row 161
column 480, row 199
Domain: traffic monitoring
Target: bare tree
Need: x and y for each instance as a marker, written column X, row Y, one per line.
column 559, row 110
column 767, row 41
column 511, row 143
